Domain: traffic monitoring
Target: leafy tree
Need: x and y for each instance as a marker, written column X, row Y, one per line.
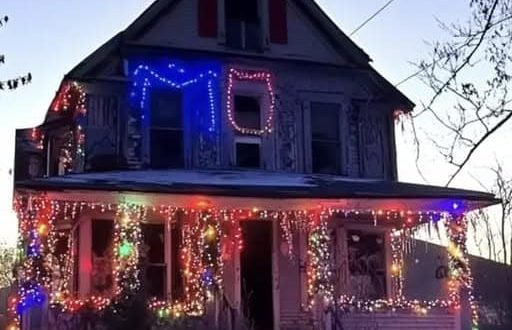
column 12, row 83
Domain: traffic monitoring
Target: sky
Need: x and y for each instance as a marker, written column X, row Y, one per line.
column 49, row 37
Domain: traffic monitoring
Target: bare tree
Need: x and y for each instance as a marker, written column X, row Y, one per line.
column 13, row 83
column 481, row 47
column 498, row 237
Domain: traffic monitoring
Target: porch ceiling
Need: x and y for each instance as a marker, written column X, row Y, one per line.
column 267, row 188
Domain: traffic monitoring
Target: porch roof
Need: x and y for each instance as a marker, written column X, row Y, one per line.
column 267, row 186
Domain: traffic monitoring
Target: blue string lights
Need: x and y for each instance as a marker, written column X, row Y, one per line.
column 198, row 82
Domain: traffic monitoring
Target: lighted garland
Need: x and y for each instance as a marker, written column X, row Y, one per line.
column 252, row 76
column 207, row 233
column 127, row 240
column 349, row 304
column 397, row 250
column 71, row 96
column 71, row 100
column 460, row 270
column 35, row 216
column 38, row 138
column 319, row 273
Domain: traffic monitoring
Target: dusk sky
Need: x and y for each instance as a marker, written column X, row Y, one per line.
column 49, row 37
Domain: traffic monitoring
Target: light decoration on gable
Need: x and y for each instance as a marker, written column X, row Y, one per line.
column 72, row 95
column 181, row 77
column 208, row 233
column 235, row 75
column 38, row 138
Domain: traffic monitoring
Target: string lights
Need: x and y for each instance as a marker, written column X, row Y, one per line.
column 236, row 75
column 199, row 82
column 397, row 251
column 72, row 95
column 209, row 237
column 319, row 273
column 460, row 271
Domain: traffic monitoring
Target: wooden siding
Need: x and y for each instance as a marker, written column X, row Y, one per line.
column 398, row 321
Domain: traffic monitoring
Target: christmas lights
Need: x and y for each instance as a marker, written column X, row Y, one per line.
column 397, row 250
column 460, row 271
column 251, row 76
column 72, row 95
column 421, row 307
column 209, row 237
column 199, row 84
column 38, row 137
column 319, row 271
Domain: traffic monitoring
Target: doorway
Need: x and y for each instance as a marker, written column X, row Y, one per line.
column 256, row 274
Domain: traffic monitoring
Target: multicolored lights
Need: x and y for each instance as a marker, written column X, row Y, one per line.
column 209, row 236
column 237, row 75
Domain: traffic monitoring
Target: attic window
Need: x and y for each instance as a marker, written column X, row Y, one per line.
column 243, row 24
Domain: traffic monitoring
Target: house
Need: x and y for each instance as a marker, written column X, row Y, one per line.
column 236, row 166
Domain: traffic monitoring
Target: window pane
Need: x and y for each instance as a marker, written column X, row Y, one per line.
column 252, row 36
column 177, row 278
column 246, row 10
column 247, row 112
column 367, row 265
column 248, row 155
column 153, row 259
column 234, row 33
column 325, row 121
column 167, row 149
column 155, row 281
column 153, row 238
column 166, row 109
column 102, row 240
column 326, row 157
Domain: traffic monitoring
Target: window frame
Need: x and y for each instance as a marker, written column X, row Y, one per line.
column 342, row 234
column 260, row 92
column 263, row 22
column 150, row 128
column 247, row 139
column 81, row 282
column 342, row 133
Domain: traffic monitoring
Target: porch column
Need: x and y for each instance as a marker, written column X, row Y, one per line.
column 461, row 279
column 397, row 260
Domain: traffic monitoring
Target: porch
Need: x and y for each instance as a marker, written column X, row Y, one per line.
column 234, row 255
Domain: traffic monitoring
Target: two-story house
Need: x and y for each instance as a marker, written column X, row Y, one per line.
column 233, row 162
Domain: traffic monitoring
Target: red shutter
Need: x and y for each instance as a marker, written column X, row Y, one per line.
column 207, row 18
column 278, row 21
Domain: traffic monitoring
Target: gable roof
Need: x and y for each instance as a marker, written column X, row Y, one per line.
column 338, row 39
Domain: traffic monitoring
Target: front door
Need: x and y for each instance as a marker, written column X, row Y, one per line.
column 256, row 274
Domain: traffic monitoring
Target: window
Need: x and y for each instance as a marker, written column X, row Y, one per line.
column 166, row 131
column 325, row 138
column 367, row 264
column 248, row 152
column 102, row 240
column 247, row 113
column 177, row 288
column 153, row 256
column 243, row 24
